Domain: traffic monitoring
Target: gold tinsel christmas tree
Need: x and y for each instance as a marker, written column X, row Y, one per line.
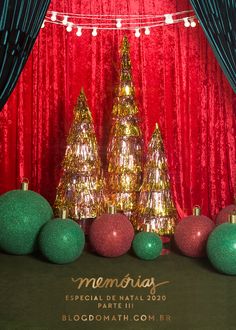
column 155, row 211
column 80, row 190
column 124, row 154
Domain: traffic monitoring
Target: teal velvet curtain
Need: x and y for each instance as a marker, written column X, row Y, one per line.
column 218, row 19
column 20, row 21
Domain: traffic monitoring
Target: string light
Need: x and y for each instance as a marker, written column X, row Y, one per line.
column 168, row 19
column 54, row 16
column 193, row 23
column 137, row 33
column 127, row 90
column 186, row 22
column 118, row 23
column 79, row 31
column 135, row 23
column 147, row 31
column 69, row 27
column 65, row 20
column 94, row 32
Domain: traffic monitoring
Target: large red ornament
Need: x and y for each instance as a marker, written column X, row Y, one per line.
column 111, row 235
column 192, row 232
column 223, row 215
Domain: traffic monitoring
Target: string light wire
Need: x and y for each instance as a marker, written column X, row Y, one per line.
column 133, row 22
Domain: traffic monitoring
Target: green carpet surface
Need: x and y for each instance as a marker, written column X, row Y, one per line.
column 35, row 294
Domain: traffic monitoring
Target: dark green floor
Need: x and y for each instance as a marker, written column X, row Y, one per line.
column 32, row 294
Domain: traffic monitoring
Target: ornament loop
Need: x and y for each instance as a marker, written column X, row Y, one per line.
column 25, row 184
column 196, row 210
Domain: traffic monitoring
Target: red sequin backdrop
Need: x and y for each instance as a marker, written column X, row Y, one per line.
column 179, row 84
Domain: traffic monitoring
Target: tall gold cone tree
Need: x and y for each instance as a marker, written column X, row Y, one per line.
column 80, row 190
column 124, row 153
column 155, row 211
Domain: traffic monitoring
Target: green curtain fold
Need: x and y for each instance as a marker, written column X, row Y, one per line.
column 20, row 22
column 218, row 19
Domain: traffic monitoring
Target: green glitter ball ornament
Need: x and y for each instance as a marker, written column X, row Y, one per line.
column 221, row 247
column 22, row 214
column 147, row 246
column 61, row 241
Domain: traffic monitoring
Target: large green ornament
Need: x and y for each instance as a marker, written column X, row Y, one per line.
column 61, row 241
column 221, row 247
column 147, row 246
column 22, row 214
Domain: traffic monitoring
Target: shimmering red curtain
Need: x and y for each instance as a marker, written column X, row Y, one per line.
column 178, row 83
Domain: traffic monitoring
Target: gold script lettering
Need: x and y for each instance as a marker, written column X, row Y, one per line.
column 123, row 283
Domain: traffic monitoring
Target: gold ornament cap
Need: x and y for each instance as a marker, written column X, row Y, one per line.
column 63, row 214
column 232, row 217
column 196, row 210
column 111, row 209
column 25, row 184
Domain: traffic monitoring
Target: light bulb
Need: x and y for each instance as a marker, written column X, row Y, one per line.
column 137, row 33
column 94, row 32
column 147, row 31
column 186, row 22
column 43, row 25
column 168, row 19
column 54, row 16
column 79, row 31
column 118, row 23
column 65, row 20
column 69, row 27
column 127, row 90
column 193, row 24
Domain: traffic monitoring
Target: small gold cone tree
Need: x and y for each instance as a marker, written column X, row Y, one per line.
column 124, row 153
column 80, row 190
column 155, row 211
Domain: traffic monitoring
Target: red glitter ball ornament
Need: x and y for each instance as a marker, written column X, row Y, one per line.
column 192, row 232
column 223, row 215
column 111, row 235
